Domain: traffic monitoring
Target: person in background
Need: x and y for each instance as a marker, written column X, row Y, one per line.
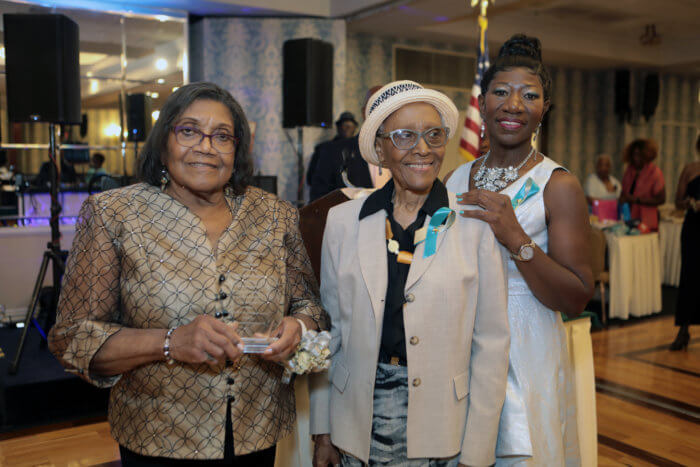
column 602, row 185
column 419, row 334
column 95, row 169
column 6, row 173
column 159, row 278
column 346, row 125
column 67, row 173
column 538, row 213
column 340, row 165
column 643, row 183
column 688, row 304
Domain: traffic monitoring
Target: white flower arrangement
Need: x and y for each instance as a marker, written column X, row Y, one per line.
column 312, row 355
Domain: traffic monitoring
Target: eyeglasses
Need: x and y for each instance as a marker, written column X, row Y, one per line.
column 189, row 137
column 408, row 139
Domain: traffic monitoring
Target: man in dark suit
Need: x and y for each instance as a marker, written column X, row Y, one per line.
column 346, row 126
column 335, row 159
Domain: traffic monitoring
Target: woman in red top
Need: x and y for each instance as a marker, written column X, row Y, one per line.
column 643, row 182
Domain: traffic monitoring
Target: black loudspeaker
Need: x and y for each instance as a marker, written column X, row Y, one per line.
column 307, row 77
column 42, row 68
column 623, row 108
column 651, row 95
column 138, row 117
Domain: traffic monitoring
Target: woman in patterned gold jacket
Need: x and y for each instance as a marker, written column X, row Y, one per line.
column 160, row 274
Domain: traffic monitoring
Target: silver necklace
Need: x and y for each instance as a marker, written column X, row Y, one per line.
column 497, row 178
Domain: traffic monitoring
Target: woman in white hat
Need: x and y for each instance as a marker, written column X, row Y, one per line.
column 417, row 299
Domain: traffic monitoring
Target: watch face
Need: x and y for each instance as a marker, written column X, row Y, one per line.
column 527, row 252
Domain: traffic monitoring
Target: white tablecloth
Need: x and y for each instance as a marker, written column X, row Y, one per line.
column 21, row 252
column 297, row 449
column 635, row 275
column 670, row 248
column 578, row 333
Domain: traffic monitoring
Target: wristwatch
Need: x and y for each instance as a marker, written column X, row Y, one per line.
column 525, row 253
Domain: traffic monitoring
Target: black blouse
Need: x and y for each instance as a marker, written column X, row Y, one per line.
column 393, row 343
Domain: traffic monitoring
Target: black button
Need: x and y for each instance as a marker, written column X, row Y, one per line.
column 229, row 381
column 231, row 399
column 218, row 314
column 222, row 278
column 222, row 295
column 229, row 362
column 224, row 313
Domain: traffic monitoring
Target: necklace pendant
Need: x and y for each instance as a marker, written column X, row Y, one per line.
column 393, row 246
column 511, row 174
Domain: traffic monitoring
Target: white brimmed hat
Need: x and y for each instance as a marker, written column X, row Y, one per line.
column 392, row 97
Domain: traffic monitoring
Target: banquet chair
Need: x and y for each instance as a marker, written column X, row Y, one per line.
column 600, row 275
column 312, row 223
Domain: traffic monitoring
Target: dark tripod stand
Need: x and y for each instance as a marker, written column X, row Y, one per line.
column 51, row 255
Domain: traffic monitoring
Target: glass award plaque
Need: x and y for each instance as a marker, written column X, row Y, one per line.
column 257, row 335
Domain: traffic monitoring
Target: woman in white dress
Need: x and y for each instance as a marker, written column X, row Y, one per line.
column 549, row 272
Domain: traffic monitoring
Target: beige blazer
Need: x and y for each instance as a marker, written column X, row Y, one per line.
column 456, row 310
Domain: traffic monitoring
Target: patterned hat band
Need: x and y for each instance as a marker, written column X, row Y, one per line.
column 392, row 91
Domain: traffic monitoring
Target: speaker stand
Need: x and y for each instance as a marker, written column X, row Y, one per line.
column 51, row 255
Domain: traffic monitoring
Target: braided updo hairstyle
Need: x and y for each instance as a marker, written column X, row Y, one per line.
column 520, row 51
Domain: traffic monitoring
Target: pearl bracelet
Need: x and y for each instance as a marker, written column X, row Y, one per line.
column 166, row 347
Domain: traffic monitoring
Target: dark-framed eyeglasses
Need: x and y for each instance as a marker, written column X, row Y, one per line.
column 405, row 139
column 189, row 137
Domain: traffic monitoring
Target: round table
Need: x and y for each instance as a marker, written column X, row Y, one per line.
column 635, row 275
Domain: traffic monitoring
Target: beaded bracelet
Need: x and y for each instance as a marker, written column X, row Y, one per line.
column 166, row 347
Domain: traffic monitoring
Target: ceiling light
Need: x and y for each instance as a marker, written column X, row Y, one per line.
column 155, row 95
column 155, row 114
column 94, row 86
column 176, row 88
column 160, row 81
column 89, row 74
column 161, row 64
column 2, row 53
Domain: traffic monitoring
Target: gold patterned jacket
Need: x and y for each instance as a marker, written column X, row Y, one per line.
column 141, row 259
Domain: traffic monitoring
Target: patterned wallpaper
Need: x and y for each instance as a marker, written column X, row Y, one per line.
column 582, row 123
column 245, row 57
column 370, row 63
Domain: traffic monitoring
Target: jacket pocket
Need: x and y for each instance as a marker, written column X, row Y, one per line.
column 461, row 385
column 340, row 375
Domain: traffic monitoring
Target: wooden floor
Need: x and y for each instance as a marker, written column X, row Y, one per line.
column 648, row 407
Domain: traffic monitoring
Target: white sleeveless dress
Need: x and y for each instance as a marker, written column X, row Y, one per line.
column 538, row 422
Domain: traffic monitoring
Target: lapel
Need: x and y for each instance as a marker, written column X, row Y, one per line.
column 373, row 261
column 420, row 264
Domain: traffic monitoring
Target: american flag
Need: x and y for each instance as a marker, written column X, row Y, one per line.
column 471, row 132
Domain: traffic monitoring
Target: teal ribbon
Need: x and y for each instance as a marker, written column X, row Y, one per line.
column 441, row 221
column 528, row 190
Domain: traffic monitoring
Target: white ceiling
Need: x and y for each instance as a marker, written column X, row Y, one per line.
column 585, row 33
column 588, row 33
